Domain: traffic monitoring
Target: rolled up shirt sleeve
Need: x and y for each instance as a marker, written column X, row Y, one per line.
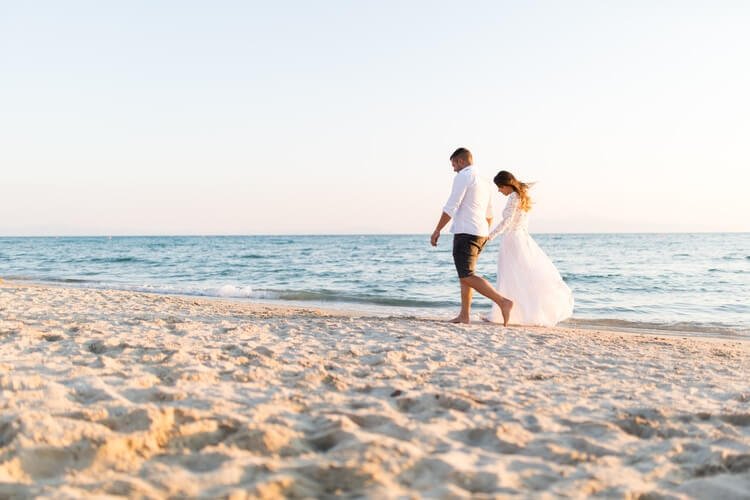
column 457, row 194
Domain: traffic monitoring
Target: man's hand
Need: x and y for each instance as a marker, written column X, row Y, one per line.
column 434, row 238
column 444, row 219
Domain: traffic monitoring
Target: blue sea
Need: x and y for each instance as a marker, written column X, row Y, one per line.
column 687, row 283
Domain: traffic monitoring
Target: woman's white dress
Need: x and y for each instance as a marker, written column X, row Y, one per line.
column 526, row 275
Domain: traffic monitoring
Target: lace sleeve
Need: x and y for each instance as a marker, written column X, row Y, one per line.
column 510, row 214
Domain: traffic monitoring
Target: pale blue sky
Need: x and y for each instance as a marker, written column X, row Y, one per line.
column 176, row 117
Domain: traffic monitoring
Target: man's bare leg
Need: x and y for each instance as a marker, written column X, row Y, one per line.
column 465, row 315
column 483, row 286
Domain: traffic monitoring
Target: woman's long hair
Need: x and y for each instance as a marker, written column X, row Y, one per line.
column 505, row 178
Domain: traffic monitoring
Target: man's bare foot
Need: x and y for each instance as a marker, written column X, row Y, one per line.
column 505, row 308
column 459, row 319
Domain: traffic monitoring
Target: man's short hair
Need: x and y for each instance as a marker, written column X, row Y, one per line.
column 462, row 154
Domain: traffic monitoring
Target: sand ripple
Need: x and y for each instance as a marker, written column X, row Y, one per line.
column 114, row 394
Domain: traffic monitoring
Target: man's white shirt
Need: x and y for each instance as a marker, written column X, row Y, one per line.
column 470, row 203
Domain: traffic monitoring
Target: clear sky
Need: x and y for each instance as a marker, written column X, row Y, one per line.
column 241, row 117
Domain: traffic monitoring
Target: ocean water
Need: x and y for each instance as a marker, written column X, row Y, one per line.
column 691, row 283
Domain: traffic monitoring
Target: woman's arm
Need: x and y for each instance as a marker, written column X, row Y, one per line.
column 513, row 206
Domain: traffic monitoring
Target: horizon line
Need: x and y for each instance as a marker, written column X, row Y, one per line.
column 230, row 235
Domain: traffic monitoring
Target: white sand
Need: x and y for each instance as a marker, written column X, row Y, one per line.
column 110, row 393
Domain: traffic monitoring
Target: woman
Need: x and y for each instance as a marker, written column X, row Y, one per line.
column 524, row 272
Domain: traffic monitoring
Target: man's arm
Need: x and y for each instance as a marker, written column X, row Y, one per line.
column 444, row 219
column 458, row 190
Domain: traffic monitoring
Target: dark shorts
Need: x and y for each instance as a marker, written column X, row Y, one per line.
column 466, row 249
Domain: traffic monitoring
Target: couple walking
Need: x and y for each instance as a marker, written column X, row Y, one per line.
column 529, row 288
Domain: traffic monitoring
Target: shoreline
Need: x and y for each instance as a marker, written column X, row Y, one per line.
column 376, row 311
column 109, row 392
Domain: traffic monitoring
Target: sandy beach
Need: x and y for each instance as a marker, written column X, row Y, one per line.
column 112, row 394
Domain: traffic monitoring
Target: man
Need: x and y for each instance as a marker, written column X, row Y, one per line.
column 470, row 207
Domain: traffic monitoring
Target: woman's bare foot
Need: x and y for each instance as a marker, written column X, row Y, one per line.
column 459, row 319
column 505, row 306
